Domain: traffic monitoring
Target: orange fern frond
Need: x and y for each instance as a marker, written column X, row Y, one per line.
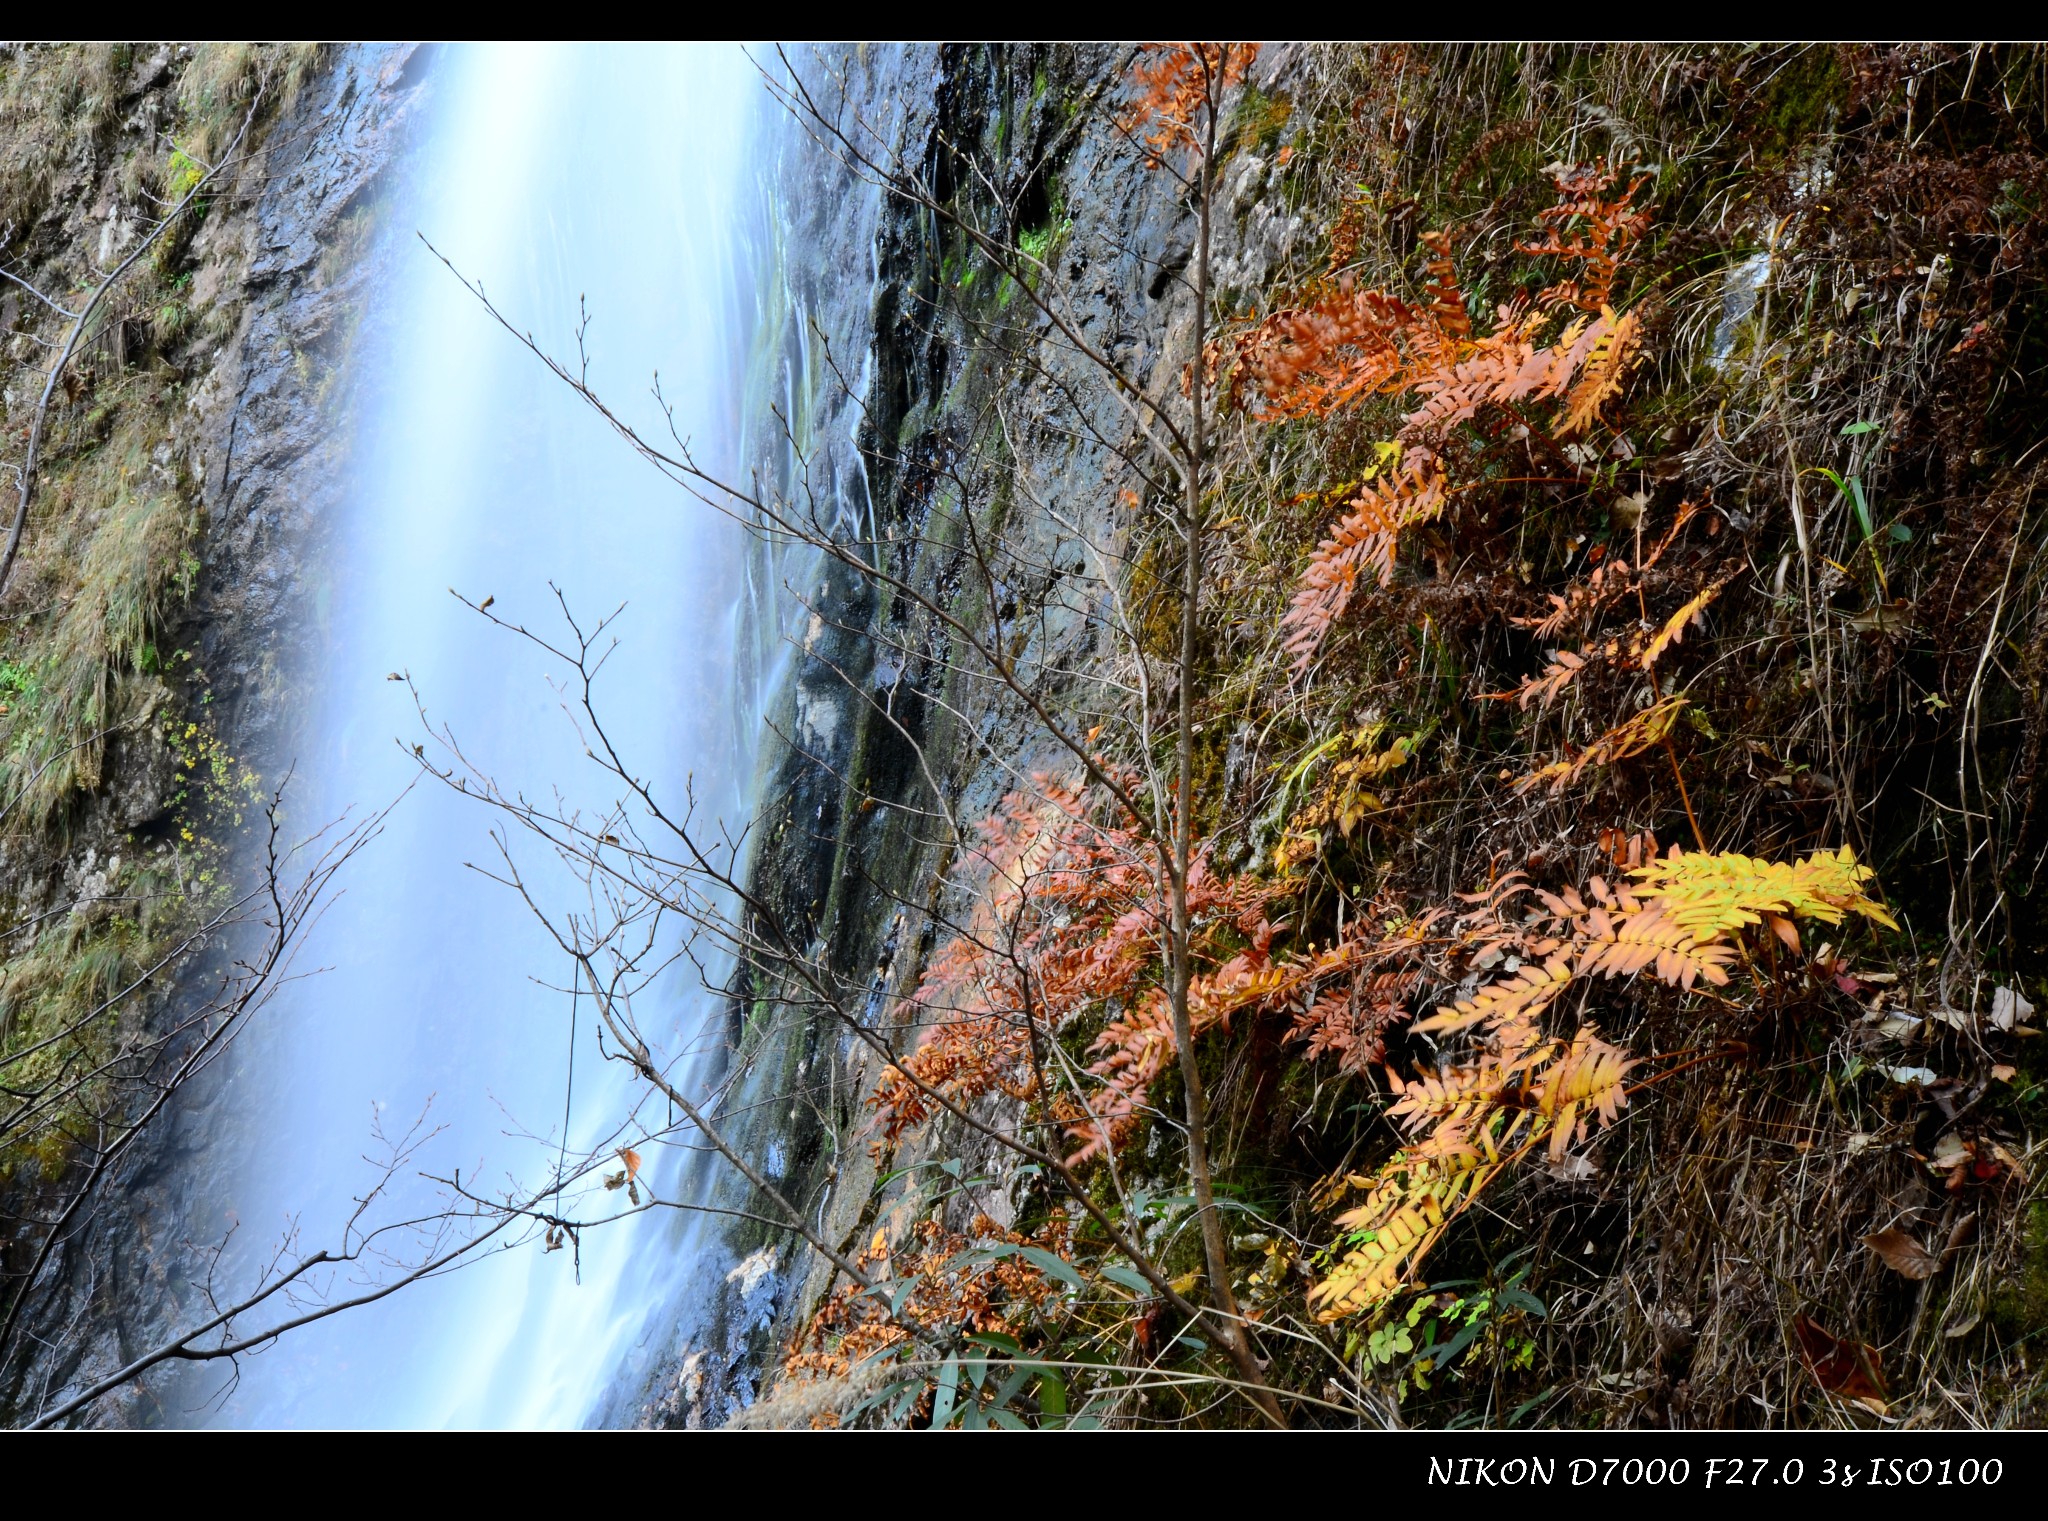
column 1674, row 627
column 1498, row 368
column 1564, row 669
column 1588, row 227
column 1620, row 945
column 1610, row 581
column 1350, row 1022
column 1367, row 538
column 1581, row 601
column 1517, row 998
column 1169, row 85
column 1686, row 512
column 1318, row 358
column 1447, row 300
column 1628, row 738
column 1613, row 351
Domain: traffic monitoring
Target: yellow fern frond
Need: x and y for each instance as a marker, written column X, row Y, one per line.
column 1631, row 737
column 1412, row 1199
column 1372, row 1273
column 1620, row 945
column 1674, row 626
column 1614, row 353
column 1512, row 999
column 1585, row 1082
column 1714, row 894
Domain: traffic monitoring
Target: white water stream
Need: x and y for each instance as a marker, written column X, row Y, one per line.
column 624, row 175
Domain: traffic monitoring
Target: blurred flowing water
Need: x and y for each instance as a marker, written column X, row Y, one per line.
column 631, row 179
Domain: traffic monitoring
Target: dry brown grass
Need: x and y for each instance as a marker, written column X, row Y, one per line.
column 1881, row 689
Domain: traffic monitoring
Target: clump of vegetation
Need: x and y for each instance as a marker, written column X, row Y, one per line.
column 99, row 698
column 1626, row 623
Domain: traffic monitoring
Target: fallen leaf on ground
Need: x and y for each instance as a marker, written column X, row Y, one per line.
column 1902, row 1253
column 2012, row 1162
column 2008, row 1008
column 1912, row 1077
column 1846, row 1368
column 1959, row 1234
column 1951, row 1151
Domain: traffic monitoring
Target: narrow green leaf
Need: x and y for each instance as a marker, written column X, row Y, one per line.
column 1052, row 1265
column 1862, row 507
column 1130, row 1278
column 1052, row 1393
column 947, row 1395
column 1011, row 1386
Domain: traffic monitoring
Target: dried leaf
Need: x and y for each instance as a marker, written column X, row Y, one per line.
column 632, row 1160
column 1959, row 1235
column 1902, row 1253
column 1674, row 628
column 1846, row 1368
column 1951, row 1151
column 1883, row 618
column 2008, row 1008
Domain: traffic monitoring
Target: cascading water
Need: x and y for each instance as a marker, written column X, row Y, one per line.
column 624, row 177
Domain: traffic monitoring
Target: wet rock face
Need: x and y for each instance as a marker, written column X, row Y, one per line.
column 261, row 439
column 875, row 709
column 872, row 302
column 271, row 426
column 878, row 710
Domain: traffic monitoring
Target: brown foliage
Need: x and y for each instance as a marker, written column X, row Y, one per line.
column 1066, row 920
column 1172, row 80
column 957, row 1284
column 1551, row 355
column 1681, row 920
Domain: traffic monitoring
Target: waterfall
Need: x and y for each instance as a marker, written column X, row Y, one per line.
column 625, row 177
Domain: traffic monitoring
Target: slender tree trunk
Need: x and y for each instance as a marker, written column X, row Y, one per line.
column 1180, row 932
